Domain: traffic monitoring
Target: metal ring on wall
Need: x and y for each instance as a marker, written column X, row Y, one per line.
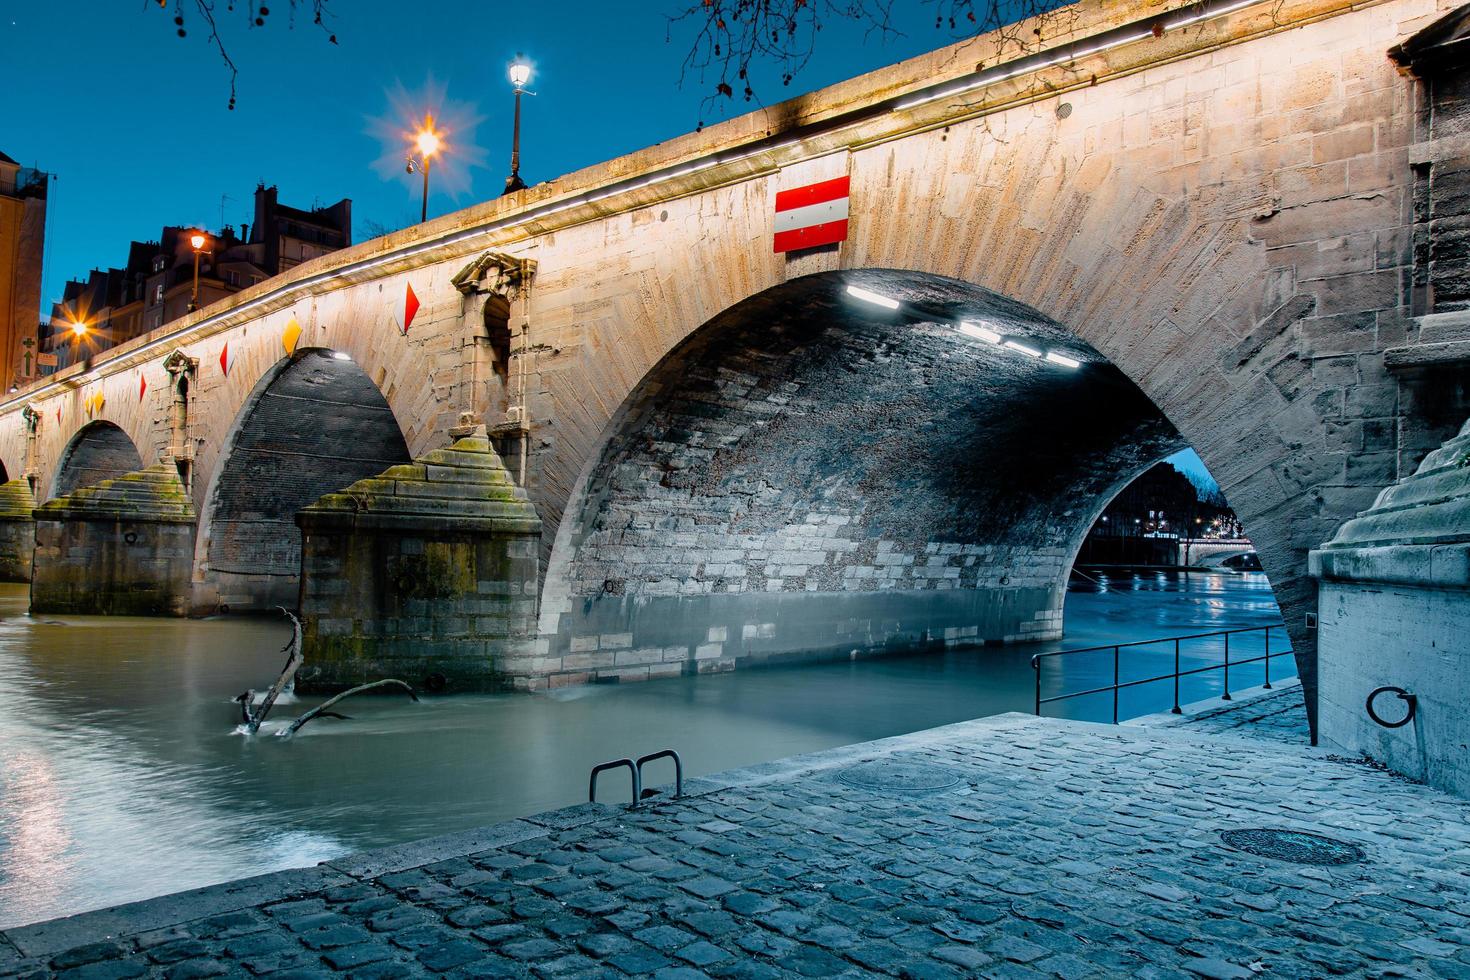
column 1405, row 696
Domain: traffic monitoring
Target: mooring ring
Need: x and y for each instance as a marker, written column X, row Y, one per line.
column 1403, row 695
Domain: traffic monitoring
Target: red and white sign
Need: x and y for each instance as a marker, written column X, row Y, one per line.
column 226, row 360
column 812, row 215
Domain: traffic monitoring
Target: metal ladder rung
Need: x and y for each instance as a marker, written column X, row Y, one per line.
column 635, row 771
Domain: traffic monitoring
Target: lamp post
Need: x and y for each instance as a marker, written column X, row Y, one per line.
column 428, row 144
column 520, row 74
column 197, row 241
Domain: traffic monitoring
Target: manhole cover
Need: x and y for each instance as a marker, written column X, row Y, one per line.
column 1295, row 846
column 899, row 776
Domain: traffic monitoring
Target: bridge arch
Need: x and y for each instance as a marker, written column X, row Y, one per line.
column 812, row 465
column 314, row 422
column 100, row 450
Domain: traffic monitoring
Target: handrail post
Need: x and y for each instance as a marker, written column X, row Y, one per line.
column 1267, row 662
column 1176, row 709
column 1116, row 679
column 1226, row 695
column 1036, row 669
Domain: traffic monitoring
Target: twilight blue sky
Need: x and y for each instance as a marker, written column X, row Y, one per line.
column 133, row 120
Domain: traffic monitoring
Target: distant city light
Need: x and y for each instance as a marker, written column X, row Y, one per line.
column 868, row 296
column 978, row 332
column 1062, row 359
column 1022, row 348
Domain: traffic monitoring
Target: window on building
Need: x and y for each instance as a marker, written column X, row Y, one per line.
column 158, row 293
column 158, row 263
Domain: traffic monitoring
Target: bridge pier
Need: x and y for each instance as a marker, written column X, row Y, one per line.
column 17, row 531
column 123, row 547
column 426, row 572
column 1394, row 602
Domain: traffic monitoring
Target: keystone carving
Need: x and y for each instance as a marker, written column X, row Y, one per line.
column 179, row 363
column 495, row 272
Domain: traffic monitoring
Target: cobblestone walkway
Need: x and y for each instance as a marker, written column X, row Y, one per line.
column 1006, row 847
column 1278, row 715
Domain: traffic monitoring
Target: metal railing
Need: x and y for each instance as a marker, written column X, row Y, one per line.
column 1119, row 684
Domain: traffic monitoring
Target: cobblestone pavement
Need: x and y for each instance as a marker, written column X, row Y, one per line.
column 1279, row 715
column 1006, row 847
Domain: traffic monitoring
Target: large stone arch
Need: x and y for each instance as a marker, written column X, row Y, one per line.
column 811, row 475
column 99, row 450
column 314, row 423
column 1245, row 274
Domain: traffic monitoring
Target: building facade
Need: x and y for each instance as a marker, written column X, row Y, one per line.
column 22, row 243
column 156, row 285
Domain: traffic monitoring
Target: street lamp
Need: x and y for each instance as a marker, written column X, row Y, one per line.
column 520, row 74
column 79, row 328
column 428, row 144
column 197, row 241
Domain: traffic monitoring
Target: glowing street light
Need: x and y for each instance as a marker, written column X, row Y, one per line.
column 79, row 329
column 428, row 143
column 520, row 74
column 197, row 241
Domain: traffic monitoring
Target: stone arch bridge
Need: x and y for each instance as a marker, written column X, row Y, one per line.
column 1229, row 224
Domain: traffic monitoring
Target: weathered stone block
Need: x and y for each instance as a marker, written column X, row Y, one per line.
column 419, row 561
column 17, row 531
column 124, row 547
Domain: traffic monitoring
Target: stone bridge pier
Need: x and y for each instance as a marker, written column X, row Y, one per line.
column 1235, row 226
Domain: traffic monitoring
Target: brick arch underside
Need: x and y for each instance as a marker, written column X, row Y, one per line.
column 315, row 425
column 99, row 451
column 806, row 476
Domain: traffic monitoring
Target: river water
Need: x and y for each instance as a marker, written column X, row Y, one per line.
column 121, row 776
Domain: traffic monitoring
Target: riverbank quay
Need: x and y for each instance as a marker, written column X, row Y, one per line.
column 1010, row 846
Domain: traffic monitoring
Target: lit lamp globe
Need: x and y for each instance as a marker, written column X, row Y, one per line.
column 428, row 142
column 197, row 240
column 79, row 328
column 520, row 73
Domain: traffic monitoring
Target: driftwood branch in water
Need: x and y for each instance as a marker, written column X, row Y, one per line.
column 322, row 709
column 254, row 714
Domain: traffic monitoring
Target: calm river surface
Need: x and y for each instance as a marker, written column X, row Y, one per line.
column 121, row 777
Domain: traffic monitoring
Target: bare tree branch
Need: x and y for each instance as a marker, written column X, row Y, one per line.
column 733, row 38
column 254, row 714
column 322, row 709
column 256, row 14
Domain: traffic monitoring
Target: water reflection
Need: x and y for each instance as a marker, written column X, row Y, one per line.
column 121, row 776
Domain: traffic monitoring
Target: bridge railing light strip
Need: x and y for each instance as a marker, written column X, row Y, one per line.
column 1114, row 39
column 1128, row 33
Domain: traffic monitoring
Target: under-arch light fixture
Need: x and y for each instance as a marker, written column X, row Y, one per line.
column 868, row 296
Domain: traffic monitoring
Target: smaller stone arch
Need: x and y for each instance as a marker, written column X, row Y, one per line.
column 99, row 451
column 314, row 424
